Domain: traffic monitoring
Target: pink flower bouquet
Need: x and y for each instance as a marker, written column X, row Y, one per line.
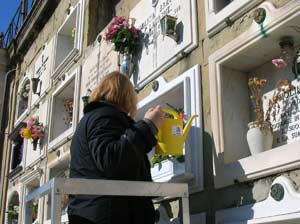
column 34, row 130
column 124, row 36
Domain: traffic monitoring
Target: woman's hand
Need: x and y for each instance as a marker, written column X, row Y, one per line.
column 156, row 115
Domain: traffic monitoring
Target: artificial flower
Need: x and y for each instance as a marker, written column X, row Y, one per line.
column 123, row 36
column 25, row 133
column 279, row 63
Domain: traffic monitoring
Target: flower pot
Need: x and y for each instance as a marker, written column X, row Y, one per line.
column 167, row 169
column 35, row 143
column 14, row 221
column 259, row 139
column 125, row 66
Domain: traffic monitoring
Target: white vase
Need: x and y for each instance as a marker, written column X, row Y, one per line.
column 259, row 139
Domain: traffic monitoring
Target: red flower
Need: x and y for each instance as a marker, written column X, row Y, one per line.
column 181, row 116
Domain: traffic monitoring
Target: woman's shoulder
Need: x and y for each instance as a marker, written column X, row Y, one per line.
column 102, row 109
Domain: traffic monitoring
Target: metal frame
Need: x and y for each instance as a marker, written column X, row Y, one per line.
column 57, row 187
column 19, row 18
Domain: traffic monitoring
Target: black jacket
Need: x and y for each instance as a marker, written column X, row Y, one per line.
column 108, row 144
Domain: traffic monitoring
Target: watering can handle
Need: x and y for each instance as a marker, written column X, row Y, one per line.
column 172, row 112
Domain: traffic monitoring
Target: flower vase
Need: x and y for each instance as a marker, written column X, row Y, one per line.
column 35, row 143
column 125, row 65
column 259, row 139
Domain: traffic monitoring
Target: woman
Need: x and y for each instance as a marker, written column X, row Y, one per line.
column 109, row 144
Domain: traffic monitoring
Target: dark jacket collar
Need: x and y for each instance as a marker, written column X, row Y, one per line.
column 102, row 103
column 95, row 105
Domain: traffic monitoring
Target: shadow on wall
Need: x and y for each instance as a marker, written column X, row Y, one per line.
column 211, row 199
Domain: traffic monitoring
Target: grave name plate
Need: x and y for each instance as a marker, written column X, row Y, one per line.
column 99, row 60
column 90, row 69
column 159, row 52
column 286, row 123
column 42, row 68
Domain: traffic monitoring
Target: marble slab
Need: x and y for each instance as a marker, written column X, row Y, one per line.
column 42, row 68
column 99, row 60
column 286, row 124
column 158, row 51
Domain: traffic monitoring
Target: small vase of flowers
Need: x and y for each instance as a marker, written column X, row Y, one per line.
column 34, row 130
column 260, row 133
column 125, row 38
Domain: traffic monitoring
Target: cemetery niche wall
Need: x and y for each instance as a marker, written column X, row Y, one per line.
column 13, row 208
column 221, row 13
column 68, row 44
column 182, row 92
column 64, row 109
column 42, row 72
column 30, row 182
column 34, row 150
column 280, row 207
column 251, row 55
column 159, row 51
column 58, row 168
column 17, row 150
column 23, row 98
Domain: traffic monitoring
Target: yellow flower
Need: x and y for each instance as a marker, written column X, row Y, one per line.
column 26, row 133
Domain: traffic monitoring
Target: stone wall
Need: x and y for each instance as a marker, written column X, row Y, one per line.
column 97, row 15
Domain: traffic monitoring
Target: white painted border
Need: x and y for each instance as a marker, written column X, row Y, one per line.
column 266, row 211
column 194, row 44
column 14, row 188
column 64, row 157
column 27, row 111
column 194, row 106
column 273, row 161
column 37, row 173
column 75, row 53
column 66, row 135
column 215, row 21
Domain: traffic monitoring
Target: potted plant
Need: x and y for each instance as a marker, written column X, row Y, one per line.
column 13, row 214
column 35, row 206
column 34, row 130
column 260, row 133
column 125, row 38
column 68, row 104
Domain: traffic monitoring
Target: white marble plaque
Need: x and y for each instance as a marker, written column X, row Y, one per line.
column 90, row 68
column 42, row 69
column 286, row 125
column 99, row 60
column 160, row 52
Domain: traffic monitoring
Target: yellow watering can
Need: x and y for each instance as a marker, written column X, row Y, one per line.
column 171, row 136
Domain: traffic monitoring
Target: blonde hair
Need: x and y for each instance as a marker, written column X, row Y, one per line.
column 117, row 89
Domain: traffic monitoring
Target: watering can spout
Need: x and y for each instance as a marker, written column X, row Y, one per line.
column 188, row 126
